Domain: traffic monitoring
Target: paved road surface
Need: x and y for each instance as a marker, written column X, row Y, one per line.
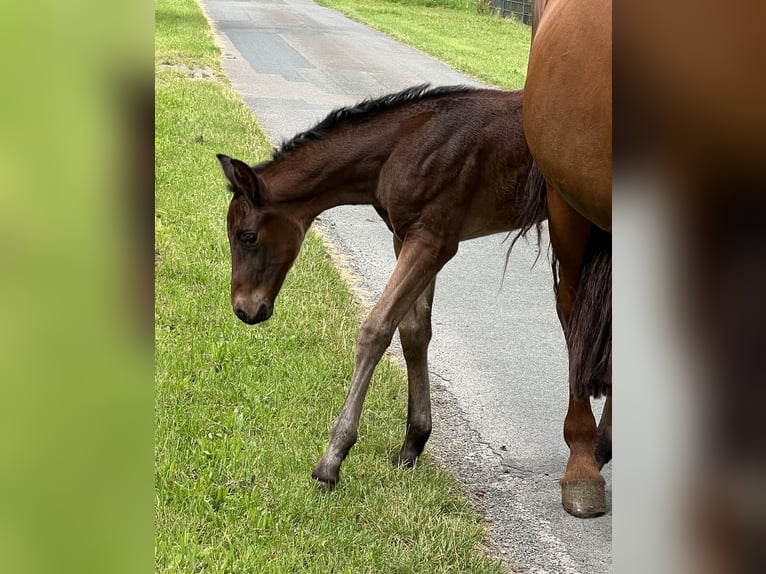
column 498, row 361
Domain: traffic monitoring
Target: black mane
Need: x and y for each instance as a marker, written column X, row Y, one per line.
column 342, row 115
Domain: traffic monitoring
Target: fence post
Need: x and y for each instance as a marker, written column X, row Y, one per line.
column 520, row 9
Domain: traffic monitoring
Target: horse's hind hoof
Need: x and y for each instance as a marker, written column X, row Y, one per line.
column 583, row 498
column 405, row 462
column 324, row 487
column 324, row 481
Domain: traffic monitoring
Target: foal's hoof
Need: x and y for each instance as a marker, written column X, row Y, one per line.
column 404, row 461
column 583, row 498
column 325, row 487
column 325, row 481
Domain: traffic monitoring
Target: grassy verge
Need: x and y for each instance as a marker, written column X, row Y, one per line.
column 243, row 413
column 458, row 32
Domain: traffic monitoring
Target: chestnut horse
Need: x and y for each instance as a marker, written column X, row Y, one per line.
column 439, row 165
column 568, row 125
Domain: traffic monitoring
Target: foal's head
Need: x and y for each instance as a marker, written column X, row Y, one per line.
column 264, row 241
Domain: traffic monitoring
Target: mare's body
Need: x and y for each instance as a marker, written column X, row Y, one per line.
column 568, row 124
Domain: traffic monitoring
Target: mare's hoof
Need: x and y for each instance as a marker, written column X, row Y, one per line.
column 325, row 481
column 583, row 498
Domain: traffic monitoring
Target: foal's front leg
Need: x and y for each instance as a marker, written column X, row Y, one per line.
column 421, row 257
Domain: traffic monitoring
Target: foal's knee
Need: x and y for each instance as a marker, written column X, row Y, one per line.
column 374, row 336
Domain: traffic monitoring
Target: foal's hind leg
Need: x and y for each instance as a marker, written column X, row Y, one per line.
column 415, row 334
column 421, row 258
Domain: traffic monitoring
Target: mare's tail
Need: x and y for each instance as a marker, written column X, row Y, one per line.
column 589, row 329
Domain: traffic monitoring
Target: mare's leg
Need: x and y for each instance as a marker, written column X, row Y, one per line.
column 603, row 448
column 415, row 334
column 582, row 486
column 422, row 256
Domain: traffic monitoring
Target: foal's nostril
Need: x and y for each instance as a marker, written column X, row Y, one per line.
column 263, row 313
column 242, row 315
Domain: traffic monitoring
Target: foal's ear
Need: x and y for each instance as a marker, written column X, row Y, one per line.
column 242, row 178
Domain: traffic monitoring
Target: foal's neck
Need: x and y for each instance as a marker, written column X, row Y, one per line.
column 340, row 168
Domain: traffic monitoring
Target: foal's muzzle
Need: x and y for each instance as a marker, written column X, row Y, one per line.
column 260, row 314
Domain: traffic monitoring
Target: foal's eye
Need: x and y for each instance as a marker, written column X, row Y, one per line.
column 249, row 239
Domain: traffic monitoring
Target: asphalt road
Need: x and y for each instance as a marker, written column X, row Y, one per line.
column 497, row 359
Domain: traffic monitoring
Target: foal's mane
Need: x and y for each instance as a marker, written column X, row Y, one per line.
column 344, row 115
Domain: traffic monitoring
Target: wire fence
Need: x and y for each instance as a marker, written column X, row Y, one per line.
column 519, row 9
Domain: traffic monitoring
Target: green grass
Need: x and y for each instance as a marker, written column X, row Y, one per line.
column 243, row 413
column 460, row 33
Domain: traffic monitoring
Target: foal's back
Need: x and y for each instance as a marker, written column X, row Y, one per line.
column 465, row 153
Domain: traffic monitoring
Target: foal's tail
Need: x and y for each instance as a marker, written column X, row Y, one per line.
column 589, row 329
column 532, row 209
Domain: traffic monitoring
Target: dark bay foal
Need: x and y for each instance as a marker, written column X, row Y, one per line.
column 439, row 165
